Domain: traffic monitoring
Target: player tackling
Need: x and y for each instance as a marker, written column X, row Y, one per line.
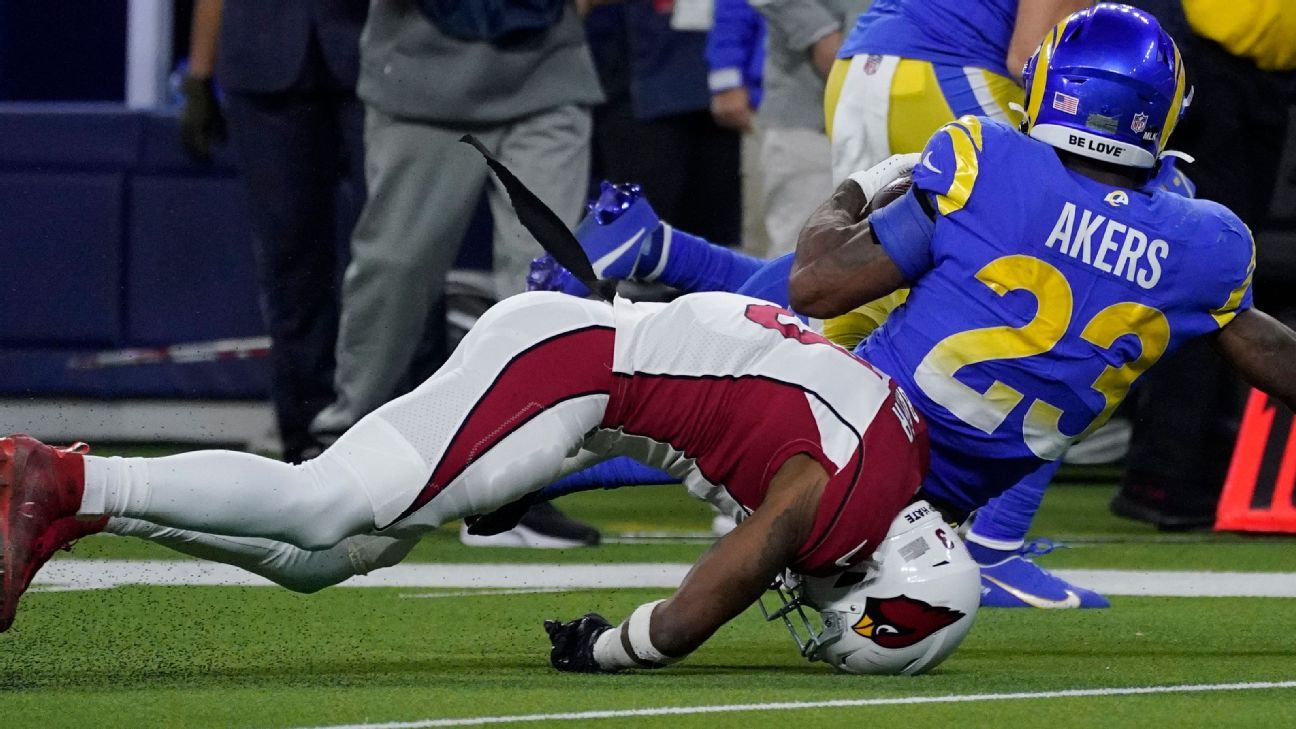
column 816, row 453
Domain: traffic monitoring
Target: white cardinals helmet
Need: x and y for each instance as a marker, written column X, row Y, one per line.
column 901, row 612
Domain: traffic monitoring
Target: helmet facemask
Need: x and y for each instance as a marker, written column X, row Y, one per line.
column 901, row 612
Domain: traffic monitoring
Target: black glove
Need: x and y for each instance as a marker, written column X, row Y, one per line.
column 573, row 643
column 201, row 122
column 502, row 519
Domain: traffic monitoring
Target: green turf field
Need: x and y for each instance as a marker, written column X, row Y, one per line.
column 264, row 657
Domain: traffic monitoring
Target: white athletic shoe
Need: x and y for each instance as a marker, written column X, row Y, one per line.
column 722, row 525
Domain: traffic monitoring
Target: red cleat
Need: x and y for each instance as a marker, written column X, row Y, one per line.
column 40, row 493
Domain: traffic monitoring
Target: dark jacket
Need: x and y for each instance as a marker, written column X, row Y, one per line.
column 266, row 45
column 413, row 70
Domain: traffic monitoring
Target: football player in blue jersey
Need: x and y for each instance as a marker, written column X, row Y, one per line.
column 909, row 66
column 1047, row 275
column 906, row 68
column 1110, row 125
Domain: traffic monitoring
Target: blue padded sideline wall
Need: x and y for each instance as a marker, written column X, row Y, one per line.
column 110, row 237
column 63, row 50
column 111, row 242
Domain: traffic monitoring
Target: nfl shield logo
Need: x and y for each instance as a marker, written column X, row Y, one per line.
column 871, row 63
column 1139, row 122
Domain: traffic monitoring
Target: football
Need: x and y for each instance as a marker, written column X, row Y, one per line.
column 889, row 193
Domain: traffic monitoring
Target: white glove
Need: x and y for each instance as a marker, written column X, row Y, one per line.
column 885, row 172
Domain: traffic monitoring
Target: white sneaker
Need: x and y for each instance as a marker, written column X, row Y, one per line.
column 722, row 525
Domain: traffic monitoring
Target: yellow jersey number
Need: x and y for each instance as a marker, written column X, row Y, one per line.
column 987, row 410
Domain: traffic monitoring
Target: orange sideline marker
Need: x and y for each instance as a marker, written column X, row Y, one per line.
column 1258, row 493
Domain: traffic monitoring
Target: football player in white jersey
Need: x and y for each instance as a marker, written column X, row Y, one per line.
column 814, row 451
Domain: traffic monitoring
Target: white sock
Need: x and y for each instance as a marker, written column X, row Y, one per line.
column 312, row 506
column 1003, row 545
column 112, row 483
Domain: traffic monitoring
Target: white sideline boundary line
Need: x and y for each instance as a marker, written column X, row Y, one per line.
column 89, row 574
column 827, row 704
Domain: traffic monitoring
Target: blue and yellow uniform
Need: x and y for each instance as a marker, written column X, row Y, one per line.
column 950, row 32
column 1040, row 296
column 910, row 66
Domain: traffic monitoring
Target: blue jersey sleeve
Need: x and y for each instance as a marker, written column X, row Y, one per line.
column 904, row 229
column 943, row 181
column 950, row 164
column 1237, row 267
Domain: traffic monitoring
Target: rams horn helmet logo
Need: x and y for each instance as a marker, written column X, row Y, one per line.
column 900, row 621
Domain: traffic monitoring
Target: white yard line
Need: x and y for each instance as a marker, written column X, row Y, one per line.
column 835, row 703
column 480, row 593
column 89, row 574
column 85, row 574
column 1183, row 584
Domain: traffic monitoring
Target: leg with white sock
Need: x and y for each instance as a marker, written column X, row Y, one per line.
column 1001, row 525
column 313, row 505
column 297, row 569
column 492, row 425
column 497, row 422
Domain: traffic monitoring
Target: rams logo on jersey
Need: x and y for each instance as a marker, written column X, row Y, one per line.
column 900, row 621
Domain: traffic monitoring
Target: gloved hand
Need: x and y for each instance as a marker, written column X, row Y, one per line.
column 201, row 122
column 502, row 519
column 573, row 643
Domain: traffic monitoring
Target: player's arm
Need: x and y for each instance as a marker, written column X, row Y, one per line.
column 850, row 253
column 723, row 583
column 1263, row 350
column 1034, row 19
column 202, row 124
column 805, row 26
column 839, row 262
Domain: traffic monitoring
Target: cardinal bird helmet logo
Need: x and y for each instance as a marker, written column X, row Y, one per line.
column 900, row 621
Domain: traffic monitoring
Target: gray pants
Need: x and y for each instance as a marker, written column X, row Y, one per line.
column 423, row 184
column 797, row 168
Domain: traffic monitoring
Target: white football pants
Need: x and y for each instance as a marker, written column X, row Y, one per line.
column 505, row 416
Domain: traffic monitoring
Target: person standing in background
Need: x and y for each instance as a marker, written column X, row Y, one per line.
column 735, row 54
column 656, row 127
column 527, row 97
column 521, row 80
column 288, row 71
column 801, row 44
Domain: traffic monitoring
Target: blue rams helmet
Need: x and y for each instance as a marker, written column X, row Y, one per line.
column 1107, row 83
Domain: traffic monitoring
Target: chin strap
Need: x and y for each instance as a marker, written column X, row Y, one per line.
column 1024, row 121
column 1177, row 155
